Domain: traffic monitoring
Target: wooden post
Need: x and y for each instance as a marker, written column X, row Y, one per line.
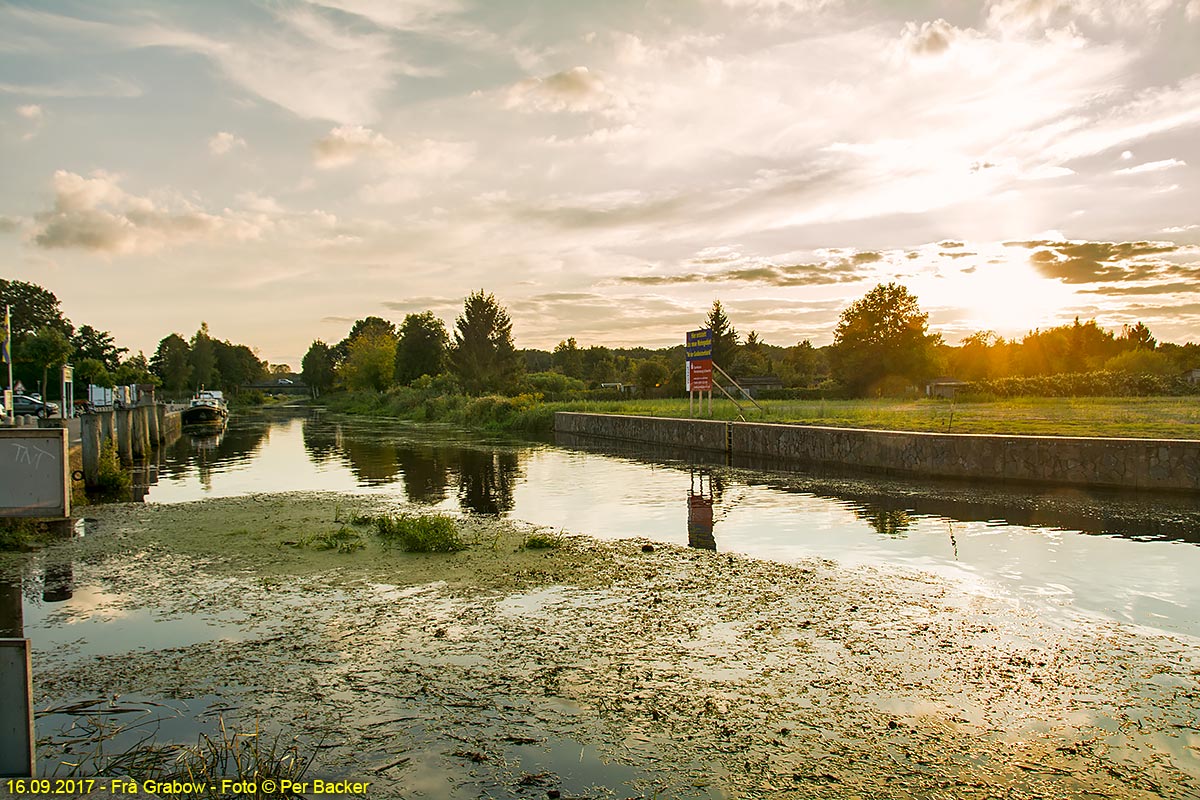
column 89, row 427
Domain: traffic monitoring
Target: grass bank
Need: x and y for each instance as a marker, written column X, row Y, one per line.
column 1148, row 417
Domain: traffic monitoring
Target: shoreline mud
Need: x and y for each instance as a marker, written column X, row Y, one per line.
column 604, row 669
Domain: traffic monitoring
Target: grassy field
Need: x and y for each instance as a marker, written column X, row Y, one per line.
column 1151, row 417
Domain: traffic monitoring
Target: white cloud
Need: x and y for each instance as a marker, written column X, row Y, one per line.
column 1152, row 166
column 95, row 214
column 1037, row 16
column 1193, row 10
column 223, row 142
column 577, row 90
column 930, row 38
column 30, row 112
column 407, row 15
column 347, row 144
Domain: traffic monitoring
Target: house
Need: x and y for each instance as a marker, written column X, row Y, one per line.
column 1192, row 376
column 752, row 386
column 944, row 387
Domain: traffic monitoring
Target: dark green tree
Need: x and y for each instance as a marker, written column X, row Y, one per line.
column 370, row 361
column 203, row 359
column 725, row 336
column 33, row 308
column 91, row 371
column 316, row 368
column 881, row 340
column 568, row 358
column 1137, row 337
column 171, row 362
column 91, row 343
column 421, row 348
column 236, row 364
column 651, row 374
column 599, row 366
column 483, row 356
column 47, row 348
column 135, row 369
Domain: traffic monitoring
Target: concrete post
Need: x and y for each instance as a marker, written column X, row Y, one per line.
column 138, row 442
column 157, row 412
column 89, row 429
column 107, row 422
column 124, row 434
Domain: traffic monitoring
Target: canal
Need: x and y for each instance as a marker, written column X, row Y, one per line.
column 1126, row 557
column 433, row 670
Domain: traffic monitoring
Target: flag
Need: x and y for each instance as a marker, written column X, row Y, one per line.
column 6, row 348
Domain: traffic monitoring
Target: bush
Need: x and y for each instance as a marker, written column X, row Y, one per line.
column 112, row 482
column 1101, row 383
column 422, row 533
column 543, row 541
column 343, row 540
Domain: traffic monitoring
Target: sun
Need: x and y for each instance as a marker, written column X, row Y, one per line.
column 1005, row 295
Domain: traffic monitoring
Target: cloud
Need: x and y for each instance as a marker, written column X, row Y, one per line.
column 1152, row 166
column 95, row 214
column 1193, row 10
column 1038, row 16
column 223, row 142
column 931, row 38
column 409, row 15
column 97, row 87
column 30, row 112
column 576, row 90
column 9, row 224
column 736, row 268
column 347, row 144
column 1097, row 262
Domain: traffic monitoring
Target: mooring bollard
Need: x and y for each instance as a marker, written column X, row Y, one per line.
column 89, row 430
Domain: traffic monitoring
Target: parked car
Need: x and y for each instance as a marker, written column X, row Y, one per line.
column 25, row 404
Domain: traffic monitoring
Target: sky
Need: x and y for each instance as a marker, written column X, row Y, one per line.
column 281, row 168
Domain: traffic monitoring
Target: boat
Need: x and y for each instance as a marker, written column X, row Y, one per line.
column 207, row 410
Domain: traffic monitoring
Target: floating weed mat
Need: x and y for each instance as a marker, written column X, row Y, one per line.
column 418, row 533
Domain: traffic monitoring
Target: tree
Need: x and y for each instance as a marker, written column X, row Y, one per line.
column 651, row 374
column 370, row 361
column 236, row 364
column 421, row 348
column 135, row 369
column 48, row 348
column 92, row 371
column 1137, row 338
column 171, row 362
column 599, row 366
column 316, row 368
column 751, row 360
column 91, row 343
column 33, row 308
column 725, row 336
column 361, row 326
column 483, row 356
column 568, row 358
column 880, row 339
column 203, row 358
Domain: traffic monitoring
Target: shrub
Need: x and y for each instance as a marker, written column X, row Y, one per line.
column 421, row 533
column 112, row 482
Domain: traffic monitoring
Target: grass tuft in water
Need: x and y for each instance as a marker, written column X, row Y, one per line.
column 543, row 541
column 421, row 533
column 344, row 540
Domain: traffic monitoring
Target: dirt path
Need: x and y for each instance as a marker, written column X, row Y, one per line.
column 618, row 669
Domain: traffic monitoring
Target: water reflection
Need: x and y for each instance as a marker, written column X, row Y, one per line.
column 700, row 510
column 12, row 616
column 486, row 480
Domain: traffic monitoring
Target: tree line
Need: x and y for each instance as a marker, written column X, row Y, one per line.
column 43, row 340
column 881, row 345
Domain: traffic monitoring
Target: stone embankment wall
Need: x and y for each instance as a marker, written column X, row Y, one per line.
column 1156, row 464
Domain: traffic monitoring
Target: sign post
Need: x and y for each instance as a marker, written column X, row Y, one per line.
column 699, row 374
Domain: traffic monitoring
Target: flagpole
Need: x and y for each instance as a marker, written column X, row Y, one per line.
column 8, row 352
